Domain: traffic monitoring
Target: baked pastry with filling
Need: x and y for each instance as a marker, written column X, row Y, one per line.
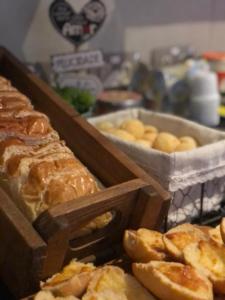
column 208, row 258
column 173, row 281
column 73, row 280
column 46, row 295
column 177, row 238
column 144, row 245
column 111, row 283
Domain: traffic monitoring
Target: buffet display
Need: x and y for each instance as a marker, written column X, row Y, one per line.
column 187, row 262
column 67, row 210
column 57, row 195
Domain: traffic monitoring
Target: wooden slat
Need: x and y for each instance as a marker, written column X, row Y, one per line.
column 22, row 250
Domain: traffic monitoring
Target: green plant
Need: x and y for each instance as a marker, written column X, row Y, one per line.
column 81, row 100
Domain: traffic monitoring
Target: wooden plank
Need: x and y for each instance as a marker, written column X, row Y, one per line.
column 22, row 250
column 59, row 224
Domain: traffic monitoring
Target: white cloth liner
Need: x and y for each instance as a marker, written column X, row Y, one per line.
column 180, row 169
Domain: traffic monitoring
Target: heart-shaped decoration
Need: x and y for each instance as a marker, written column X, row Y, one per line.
column 77, row 27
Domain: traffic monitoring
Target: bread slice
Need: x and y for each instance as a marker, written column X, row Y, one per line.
column 144, row 245
column 46, row 295
column 209, row 258
column 177, row 238
column 173, row 281
column 73, row 280
column 111, row 283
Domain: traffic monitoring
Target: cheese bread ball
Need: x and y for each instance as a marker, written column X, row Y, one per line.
column 150, row 129
column 104, row 126
column 186, row 143
column 166, row 142
column 150, row 137
column 123, row 135
column 134, row 127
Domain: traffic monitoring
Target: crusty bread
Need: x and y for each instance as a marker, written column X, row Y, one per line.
column 209, row 258
column 144, row 245
column 173, row 281
column 112, row 283
column 177, row 238
column 73, row 280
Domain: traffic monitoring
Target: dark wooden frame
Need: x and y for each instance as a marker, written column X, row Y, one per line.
column 31, row 252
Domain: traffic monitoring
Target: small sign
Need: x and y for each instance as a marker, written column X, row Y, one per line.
column 77, row 61
column 90, row 83
column 77, row 27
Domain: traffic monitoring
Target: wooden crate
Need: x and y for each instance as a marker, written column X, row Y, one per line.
column 32, row 252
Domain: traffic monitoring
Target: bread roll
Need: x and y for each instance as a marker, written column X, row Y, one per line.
column 144, row 245
column 73, row 280
column 209, row 258
column 173, row 281
column 186, row 143
column 166, row 142
column 111, row 283
column 134, row 127
column 150, row 137
column 150, row 129
column 123, row 135
column 177, row 238
column 104, row 126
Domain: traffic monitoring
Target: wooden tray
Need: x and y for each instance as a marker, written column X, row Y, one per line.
column 32, row 252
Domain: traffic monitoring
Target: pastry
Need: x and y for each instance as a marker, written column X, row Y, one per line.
column 111, row 283
column 134, row 127
column 122, row 134
column 46, row 295
column 209, row 258
column 186, row 143
column 144, row 245
column 73, row 280
column 150, row 137
column 215, row 235
column 150, row 129
column 177, row 238
column 166, row 142
column 173, row 281
column 104, row 126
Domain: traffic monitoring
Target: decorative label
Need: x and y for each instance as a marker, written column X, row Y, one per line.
column 77, row 27
column 90, row 83
column 77, row 61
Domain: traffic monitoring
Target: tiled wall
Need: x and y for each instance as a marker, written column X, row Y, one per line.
column 134, row 25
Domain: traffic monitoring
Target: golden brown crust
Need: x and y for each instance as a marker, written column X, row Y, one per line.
column 144, row 245
column 209, row 258
column 177, row 238
column 73, row 280
column 173, row 281
column 111, row 283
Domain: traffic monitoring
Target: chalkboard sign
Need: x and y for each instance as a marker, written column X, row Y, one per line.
column 77, row 61
column 86, row 82
column 77, row 27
